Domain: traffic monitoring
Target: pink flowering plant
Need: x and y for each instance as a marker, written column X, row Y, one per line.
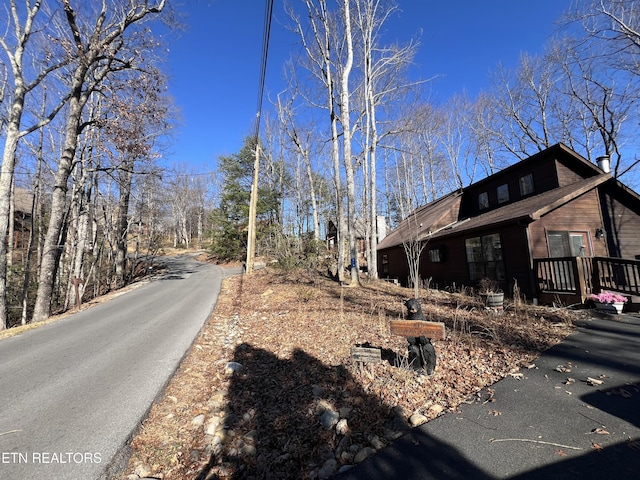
column 608, row 297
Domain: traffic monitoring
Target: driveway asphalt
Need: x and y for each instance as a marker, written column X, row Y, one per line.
column 550, row 423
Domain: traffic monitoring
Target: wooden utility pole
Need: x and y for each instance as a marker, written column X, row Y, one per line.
column 253, row 207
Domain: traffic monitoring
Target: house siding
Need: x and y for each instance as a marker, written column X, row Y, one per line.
column 620, row 222
column 517, row 268
column 565, row 175
column 452, row 270
column 544, row 175
column 580, row 215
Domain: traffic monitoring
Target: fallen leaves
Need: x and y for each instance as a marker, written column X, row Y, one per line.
column 564, row 368
column 293, row 333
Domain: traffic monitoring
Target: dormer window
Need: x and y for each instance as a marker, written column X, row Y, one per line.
column 503, row 193
column 483, row 201
column 526, row 185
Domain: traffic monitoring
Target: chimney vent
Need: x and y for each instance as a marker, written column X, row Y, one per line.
column 604, row 163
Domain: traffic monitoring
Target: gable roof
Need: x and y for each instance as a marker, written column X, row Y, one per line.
column 559, row 151
column 23, row 200
column 529, row 209
column 430, row 216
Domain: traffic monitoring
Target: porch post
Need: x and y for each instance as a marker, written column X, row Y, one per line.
column 532, row 276
column 581, row 285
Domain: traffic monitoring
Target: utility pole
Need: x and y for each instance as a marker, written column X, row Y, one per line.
column 253, row 202
column 253, row 207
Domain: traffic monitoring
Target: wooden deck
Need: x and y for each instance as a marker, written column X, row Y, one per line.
column 570, row 280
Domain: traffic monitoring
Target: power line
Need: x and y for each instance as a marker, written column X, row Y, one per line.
column 266, row 32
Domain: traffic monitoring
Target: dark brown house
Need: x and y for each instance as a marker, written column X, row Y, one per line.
column 555, row 204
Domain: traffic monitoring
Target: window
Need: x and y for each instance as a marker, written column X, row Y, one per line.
column 436, row 254
column 568, row 244
column 483, row 200
column 526, row 185
column 503, row 193
column 484, row 257
column 385, row 264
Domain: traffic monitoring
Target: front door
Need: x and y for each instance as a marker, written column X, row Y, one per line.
column 567, row 244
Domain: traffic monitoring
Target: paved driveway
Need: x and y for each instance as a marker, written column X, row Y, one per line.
column 552, row 423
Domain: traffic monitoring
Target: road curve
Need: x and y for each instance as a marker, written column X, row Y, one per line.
column 72, row 392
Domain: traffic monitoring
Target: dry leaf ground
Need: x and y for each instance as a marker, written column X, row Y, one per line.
column 292, row 334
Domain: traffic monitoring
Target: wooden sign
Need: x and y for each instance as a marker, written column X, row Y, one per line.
column 418, row 328
column 366, row 355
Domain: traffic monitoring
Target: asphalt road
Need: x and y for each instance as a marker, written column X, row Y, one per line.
column 72, row 392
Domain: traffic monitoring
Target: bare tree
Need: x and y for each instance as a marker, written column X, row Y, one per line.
column 523, row 100
column 20, row 28
column 414, row 244
column 99, row 45
column 382, row 69
column 319, row 50
column 301, row 139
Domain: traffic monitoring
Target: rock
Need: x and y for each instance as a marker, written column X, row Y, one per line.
column 399, row 424
column 251, row 435
column 436, row 408
column 398, row 412
column 212, row 426
column 392, row 435
column 328, row 469
column 224, row 436
column 417, row 419
column 198, row 421
column 317, row 391
column 346, row 457
column 329, row 418
column 342, row 428
column 248, row 450
column 345, row 412
column 344, row 469
column 376, row 442
column 232, row 367
column 342, row 446
column 323, row 406
column 142, row 470
column 363, row 454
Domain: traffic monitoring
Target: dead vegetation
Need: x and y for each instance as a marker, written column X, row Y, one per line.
column 290, row 336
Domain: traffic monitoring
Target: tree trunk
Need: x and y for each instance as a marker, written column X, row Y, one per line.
column 52, row 248
column 126, row 177
column 6, row 180
column 345, row 120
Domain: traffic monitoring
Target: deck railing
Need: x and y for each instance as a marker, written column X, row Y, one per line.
column 581, row 276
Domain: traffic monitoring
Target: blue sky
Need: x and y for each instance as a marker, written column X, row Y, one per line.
column 214, row 65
